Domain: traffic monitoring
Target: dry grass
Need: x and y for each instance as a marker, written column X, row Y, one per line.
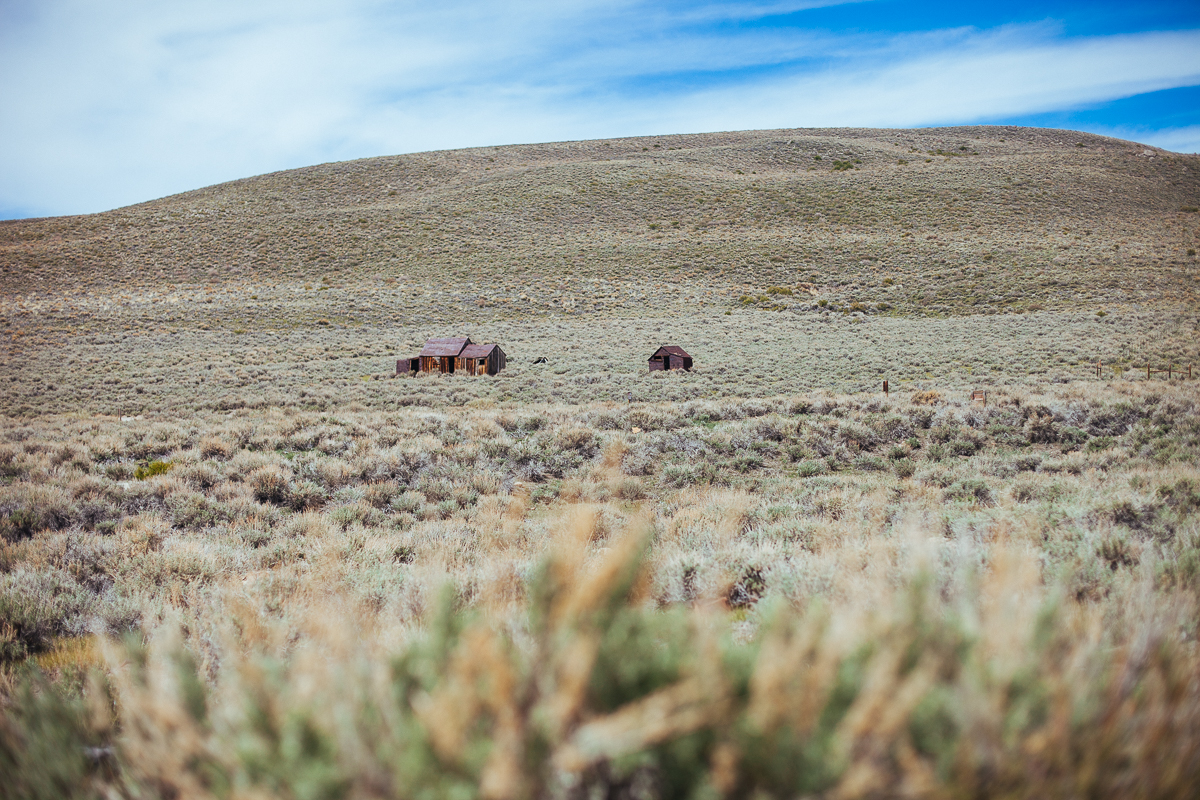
column 748, row 354
column 823, row 593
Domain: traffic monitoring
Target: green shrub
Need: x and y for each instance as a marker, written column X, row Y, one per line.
column 964, row 447
column 36, row 607
column 1041, row 429
column 1117, row 552
column 1028, row 463
column 973, row 489
column 809, row 469
column 1024, row 491
column 1070, row 437
column 678, row 476
column 1183, row 496
column 380, row 495
column 1130, row 514
column 1182, row 569
column 870, row 464
column 26, row 509
column 631, row 489
column 306, row 495
column 270, row 484
column 581, row 440
column 51, row 746
column 192, row 510
column 362, row 514
column 152, row 469
column 407, row 503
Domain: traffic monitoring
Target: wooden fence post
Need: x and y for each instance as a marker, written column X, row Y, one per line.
column 885, row 389
column 1147, row 370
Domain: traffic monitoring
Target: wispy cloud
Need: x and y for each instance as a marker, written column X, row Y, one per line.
column 979, row 77
column 110, row 105
column 1180, row 140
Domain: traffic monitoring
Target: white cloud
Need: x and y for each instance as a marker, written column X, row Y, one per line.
column 979, row 78
column 1178, row 140
column 113, row 104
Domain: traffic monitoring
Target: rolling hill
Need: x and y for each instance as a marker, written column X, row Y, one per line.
column 778, row 228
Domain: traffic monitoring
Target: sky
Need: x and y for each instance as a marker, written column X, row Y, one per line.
column 105, row 104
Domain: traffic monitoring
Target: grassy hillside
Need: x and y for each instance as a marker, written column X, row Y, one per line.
column 978, row 218
column 1055, row 248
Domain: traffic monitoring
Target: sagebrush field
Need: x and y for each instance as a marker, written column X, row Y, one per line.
column 239, row 557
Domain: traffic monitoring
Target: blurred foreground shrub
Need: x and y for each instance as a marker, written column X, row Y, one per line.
column 588, row 688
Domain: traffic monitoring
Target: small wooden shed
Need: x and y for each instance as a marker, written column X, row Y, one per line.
column 670, row 357
column 404, row 365
column 481, row 359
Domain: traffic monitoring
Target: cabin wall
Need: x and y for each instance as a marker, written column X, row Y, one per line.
column 443, row 364
column 668, row 361
column 471, row 366
column 495, row 361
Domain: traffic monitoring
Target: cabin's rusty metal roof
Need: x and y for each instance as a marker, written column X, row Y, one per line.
column 478, row 350
column 436, row 348
column 671, row 350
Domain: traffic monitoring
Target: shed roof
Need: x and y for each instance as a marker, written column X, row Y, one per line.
column 478, row 350
column 671, row 350
column 445, row 347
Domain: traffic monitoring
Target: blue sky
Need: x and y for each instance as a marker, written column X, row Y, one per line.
column 107, row 104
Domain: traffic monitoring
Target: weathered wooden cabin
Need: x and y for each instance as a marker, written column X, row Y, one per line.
column 455, row 354
column 481, row 359
column 441, row 355
column 670, row 357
